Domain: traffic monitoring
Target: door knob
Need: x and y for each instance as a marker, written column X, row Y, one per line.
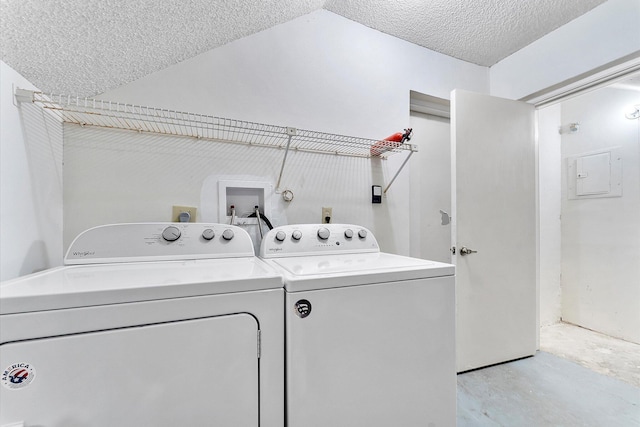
column 466, row 251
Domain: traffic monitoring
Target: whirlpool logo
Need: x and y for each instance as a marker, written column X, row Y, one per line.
column 82, row 254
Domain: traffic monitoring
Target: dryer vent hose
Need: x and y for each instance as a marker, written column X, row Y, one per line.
column 262, row 217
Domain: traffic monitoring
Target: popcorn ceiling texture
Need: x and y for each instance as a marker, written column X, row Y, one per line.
column 87, row 47
column 482, row 32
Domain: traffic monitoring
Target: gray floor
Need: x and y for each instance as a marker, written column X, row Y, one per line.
column 546, row 390
column 601, row 353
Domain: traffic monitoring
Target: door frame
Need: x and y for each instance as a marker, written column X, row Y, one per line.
column 599, row 77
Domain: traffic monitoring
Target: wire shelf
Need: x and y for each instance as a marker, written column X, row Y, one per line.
column 108, row 114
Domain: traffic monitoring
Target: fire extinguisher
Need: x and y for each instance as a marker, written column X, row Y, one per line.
column 391, row 142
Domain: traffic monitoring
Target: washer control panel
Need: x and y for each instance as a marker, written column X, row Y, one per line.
column 158, row 242
column 317, row 239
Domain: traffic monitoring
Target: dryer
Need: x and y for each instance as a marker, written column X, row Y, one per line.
column 370, row 336
column 146, row 325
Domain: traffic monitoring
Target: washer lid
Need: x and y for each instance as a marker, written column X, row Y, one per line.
column 90, row 285
column 333, row 271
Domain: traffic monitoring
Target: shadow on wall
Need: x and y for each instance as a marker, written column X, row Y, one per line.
column 32, row 216
column 36, row 259
column 44, row 145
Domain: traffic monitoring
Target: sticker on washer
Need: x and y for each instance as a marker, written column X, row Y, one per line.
column 18, row 375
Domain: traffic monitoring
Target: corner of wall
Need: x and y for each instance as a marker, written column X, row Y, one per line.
column 604, row 35
column 30, row 183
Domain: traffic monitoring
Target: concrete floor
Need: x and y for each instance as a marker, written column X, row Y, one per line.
column 600, row 353
column 577, row 380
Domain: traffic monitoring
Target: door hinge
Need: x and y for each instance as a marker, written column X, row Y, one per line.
column 259, row 343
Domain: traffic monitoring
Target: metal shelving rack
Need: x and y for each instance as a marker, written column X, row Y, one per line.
column 115, row 115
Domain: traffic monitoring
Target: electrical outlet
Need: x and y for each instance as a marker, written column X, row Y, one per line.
column 327, row 215
column 177, row 210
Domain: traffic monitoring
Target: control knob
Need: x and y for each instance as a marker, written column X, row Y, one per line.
column 171, row 233
column 323, row 233
column 348, row 233
column 227, row 234
column 362, row 234
column 297, row 234
column 280, row 236
column 208, row 234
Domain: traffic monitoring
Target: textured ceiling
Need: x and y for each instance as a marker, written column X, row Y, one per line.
column 86, row 47
column 479, row 31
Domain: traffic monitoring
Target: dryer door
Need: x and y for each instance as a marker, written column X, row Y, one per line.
column 191, row 372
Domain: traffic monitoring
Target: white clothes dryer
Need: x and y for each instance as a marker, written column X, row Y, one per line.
column 370, row 336
column 146, row 325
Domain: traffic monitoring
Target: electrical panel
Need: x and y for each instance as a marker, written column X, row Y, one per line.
column 595, row 174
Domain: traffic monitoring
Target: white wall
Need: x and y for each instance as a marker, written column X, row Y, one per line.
column 31, row 183
column 320, row 72
column 603, row 35
column 121, row 176
column 601, row 236
column 549, row 223
column 431, row 174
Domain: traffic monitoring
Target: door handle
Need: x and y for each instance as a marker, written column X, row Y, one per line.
column 466, row 251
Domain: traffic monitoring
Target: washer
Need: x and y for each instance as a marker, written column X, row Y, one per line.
column 370, row 336
column 146, row 325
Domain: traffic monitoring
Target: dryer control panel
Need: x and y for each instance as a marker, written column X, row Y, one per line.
column 317, row 239
column 158, row 242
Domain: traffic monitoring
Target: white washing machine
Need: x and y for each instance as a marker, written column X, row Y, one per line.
column 370, row 336
column 146, row 325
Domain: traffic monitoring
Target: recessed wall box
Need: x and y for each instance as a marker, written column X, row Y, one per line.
column 244, row 196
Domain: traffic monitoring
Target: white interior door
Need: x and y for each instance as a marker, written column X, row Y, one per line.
column 493, row 210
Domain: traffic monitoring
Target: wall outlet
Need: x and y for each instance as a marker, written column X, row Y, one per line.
column 327, row 215
column 178, row 210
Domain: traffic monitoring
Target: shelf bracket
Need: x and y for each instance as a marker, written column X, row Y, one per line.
column 24, row 95
column 414, row 148
column 291, row 132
